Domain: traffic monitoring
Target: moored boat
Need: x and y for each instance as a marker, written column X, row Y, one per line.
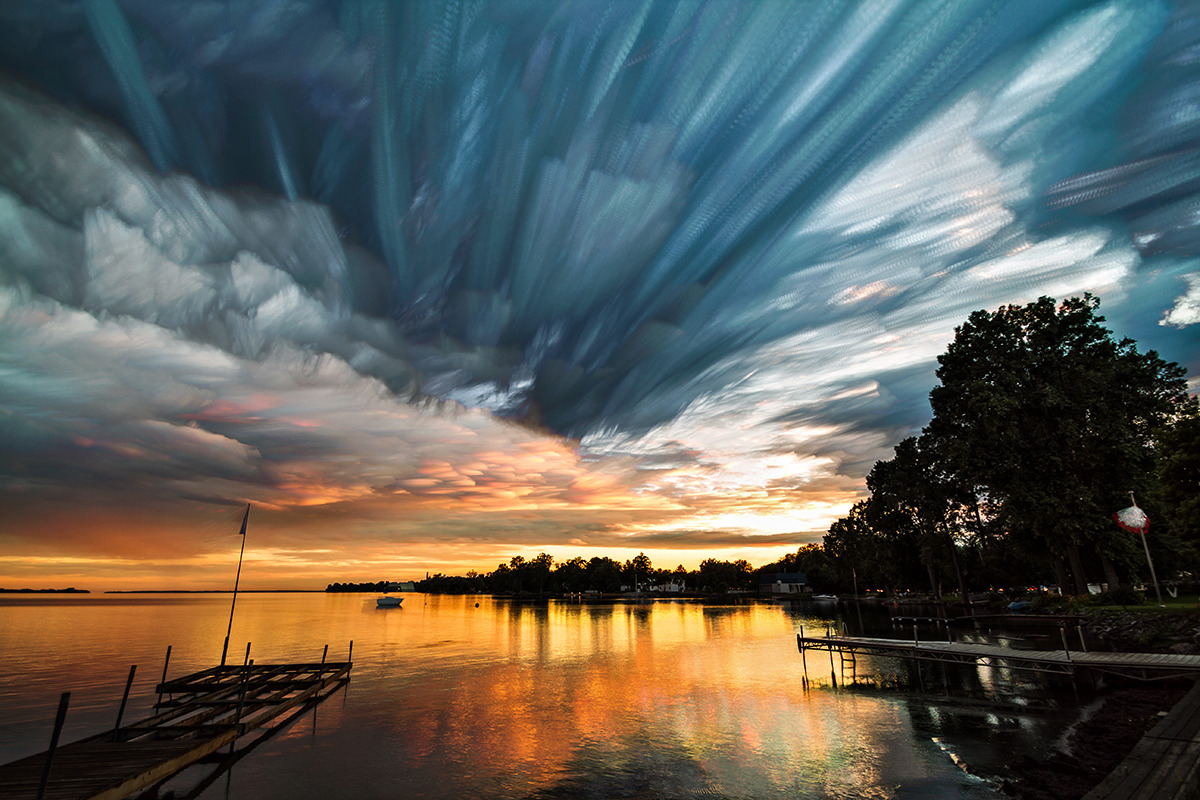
column 388, row 602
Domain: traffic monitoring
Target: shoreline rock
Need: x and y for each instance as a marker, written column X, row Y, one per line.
column 1140, row 631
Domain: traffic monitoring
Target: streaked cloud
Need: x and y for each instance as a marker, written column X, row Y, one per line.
column 586, row 284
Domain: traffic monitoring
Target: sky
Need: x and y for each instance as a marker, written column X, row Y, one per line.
column 432, row 285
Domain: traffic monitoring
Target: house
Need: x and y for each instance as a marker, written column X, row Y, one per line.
column 782, row 583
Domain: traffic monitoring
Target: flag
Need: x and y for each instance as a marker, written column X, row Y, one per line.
column 245, row 519
column 1132, row 519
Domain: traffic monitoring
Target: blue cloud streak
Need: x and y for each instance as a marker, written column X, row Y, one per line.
column 698, row 234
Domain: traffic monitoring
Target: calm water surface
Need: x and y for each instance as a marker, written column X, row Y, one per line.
column 512, row 700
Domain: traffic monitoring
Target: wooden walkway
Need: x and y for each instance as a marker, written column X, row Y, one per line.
column 203, row 713
column 1139, row 666
column 1164, row 764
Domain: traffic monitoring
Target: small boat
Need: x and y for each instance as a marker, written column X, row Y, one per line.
column 829, row 598
column 388, row 602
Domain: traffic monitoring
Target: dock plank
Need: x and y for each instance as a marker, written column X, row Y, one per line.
column 1165, row 763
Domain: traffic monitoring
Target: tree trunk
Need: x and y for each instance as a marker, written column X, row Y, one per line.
column 1077, row 569
column 1110, row 573
column 933, row 582
column 962, row 581
column 1060, row 571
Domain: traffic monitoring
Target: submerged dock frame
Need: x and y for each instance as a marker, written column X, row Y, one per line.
column 203, row 713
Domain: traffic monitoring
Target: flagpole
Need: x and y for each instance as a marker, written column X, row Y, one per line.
column 229, row 630
column 1153, row 577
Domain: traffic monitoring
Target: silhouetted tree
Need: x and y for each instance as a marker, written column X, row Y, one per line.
column 1040, row 410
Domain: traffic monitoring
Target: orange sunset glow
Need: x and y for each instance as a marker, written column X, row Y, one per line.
column 451, row 518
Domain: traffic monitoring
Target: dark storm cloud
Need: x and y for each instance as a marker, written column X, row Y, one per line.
column 320, row 253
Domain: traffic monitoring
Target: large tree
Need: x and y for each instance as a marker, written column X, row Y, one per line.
column 809, row 560
column 1179, row 486
column 913, row 499
column 884, row 558
column 722, row 576
column 1042, row 413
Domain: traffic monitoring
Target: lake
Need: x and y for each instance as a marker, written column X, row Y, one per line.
column 477, row 697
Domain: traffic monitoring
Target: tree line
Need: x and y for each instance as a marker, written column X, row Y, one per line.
column 543, row 575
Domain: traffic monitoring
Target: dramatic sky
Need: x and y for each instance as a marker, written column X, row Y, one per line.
column 433, row 284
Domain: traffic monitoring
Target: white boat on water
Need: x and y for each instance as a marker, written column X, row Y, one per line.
column 829, row 598
column 388, row 602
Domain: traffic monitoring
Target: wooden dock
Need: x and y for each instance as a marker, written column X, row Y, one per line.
column 201, row 714
column 1165, row 764
column 1138, row 666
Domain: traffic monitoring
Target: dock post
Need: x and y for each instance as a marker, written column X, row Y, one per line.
column 1062, row 630
column 324, row 654
column 237, row 714
column 166, row 661
column 242, row 694
column 58, row 726
column 246, row 659
column 832, row 670
column 124, row 700
column 1082, row 641
column 350, row 654
column 803, row 660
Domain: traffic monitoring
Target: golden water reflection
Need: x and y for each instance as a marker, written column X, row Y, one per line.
column 470, row 697
column 623, row 700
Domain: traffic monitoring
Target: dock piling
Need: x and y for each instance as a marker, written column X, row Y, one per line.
column 166, row 661
column 58, row 726
column 832, row 670
column 803, row 660
column 124, row 700
column 325, row 654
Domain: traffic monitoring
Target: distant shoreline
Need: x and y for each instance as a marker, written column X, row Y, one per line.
column 46, row 591
column 210, row 591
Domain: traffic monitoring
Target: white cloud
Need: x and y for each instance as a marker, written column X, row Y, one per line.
column 1186, row 310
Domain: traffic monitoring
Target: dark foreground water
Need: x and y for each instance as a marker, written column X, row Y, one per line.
column 510, row 700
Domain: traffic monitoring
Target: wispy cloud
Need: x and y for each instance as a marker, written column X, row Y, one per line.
column 671, row 283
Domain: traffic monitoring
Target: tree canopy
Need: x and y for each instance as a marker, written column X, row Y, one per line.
column 1043, row 424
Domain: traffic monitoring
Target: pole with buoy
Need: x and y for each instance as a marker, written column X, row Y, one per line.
column 229, row 630
column 1134, row 520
